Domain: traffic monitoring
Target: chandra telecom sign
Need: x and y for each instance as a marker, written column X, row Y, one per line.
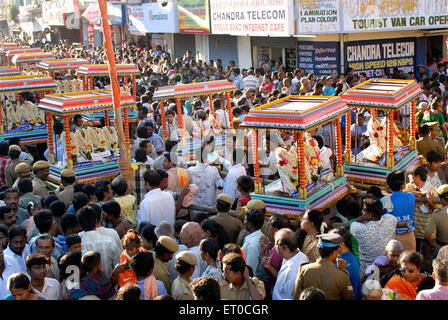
column 252, row 17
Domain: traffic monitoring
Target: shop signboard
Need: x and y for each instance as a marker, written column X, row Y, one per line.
column 193, row 16
column 321, row 58
column 318, row 16
column 161, row 19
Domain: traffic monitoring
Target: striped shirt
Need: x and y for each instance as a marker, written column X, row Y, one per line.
column 250, row 82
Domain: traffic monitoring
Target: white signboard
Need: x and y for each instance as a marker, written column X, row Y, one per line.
column 92, row 14
column 252, row 17
column 321, row 16
column 380, row 15
column 161, row 19
column 136, row 17
column 52, row 13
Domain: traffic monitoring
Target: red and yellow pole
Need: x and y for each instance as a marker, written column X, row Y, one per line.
column 348, row 137
column 179, row 114
column 258, row 186
column 68, row 143
column 302, row 178
column 339, row 167
column 134, row 87
column 1, row 119
column 373, row 113
column 210, row 99
column 84, row 83
column 229, row 110
column 390, row 141
column 412, row 127
column 162, row 110
column 50, row 137
column 126, row 128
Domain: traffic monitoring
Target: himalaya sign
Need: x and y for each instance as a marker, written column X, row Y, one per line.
column 161, row 19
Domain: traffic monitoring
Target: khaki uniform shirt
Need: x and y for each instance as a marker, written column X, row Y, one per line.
column 231, row 225
column 10, row 172
column 230, row 292
column 439, row 224
column 161, row 273
column 323, row 274
column 426, row 144
column 39, row 187
column 66, row 196
column 181, row 289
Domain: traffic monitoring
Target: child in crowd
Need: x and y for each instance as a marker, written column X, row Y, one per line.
column 73, row 243
column 132, row 246
column 111, row 214
column 149, row 238
column 209, row 253
column 127, row 202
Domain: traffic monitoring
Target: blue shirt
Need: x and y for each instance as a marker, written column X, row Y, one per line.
column 353, row 273
column 404, row 206
column 71, row 209
column 157, row 142
column 353, row 118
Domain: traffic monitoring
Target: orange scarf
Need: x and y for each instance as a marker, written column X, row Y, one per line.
column 182, row 177
column 404, row 288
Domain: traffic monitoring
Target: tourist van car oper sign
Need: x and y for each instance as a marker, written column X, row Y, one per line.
column 252, row 17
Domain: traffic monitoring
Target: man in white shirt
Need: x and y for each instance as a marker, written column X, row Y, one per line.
column 268, row 164
column 108, row 232
column 253, row 221
column 237, row 79
column 207, row 178
column 237, row 170
column 293, row 258
column 372, row 230
column 251, row 81
column 157, row 205
column 190, row 236
column 225, row 122
column 93, row 240
column 8, row 266
column 18, row 249
column 48, row 288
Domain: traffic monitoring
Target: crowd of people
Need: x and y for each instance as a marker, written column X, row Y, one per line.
column 191, row 231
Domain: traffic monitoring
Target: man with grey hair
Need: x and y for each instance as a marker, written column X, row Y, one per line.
column 440, row 290
column 190, row 236
column 293, row 258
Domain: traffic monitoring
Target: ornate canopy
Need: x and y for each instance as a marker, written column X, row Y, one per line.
column 31, row 57
column 9, row 71
column 103, row 70
column 193, row 89
column 61, row 64
column 10, row 52
column 26, row 83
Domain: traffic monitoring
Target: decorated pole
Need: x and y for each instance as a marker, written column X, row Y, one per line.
column 179, row 114
column 302, row 178
column 212, row 109
column 258, row 187
column 1, row 117
column 373, row 113
column 390, row 141
column 412, row 142
column 229, row 110
column 125, row 164
column 348, row 138
column 339, row 167
column 134, row 87
column 162, row 110
column 68, row 143
column 50, row 136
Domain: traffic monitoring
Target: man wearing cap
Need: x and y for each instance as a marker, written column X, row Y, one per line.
column 257, row 205
column 10, row 172
column 164, row 249
column 68, row 178
column 427, row 142
column 231, row 225
column 323, row 274
column 185, row 263
column 41, row 170
column 438, row 223
column 23, row 171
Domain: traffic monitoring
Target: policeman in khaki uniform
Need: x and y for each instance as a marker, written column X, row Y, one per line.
column 165, row 248
column 427, row 143
column 323, row 274
column 68, row 178
column 231, row 225
column 23, row 172
column 41, row 170
column 10, row 172
column 185, row 263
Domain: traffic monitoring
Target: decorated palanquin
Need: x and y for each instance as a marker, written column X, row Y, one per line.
column 27, row 62
column 92, row 153
column 21, row 118
column 391, row 148
column 8, row 71
column 191, row 143
column 7, row 53
column 63, row 66
column 303, row 184
column 5, row 46
column 89, row 71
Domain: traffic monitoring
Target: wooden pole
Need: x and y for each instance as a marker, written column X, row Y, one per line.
column 50, row 137
column 125, row 164
column 348, row 137
column 412, row 129
column 258, row 186
column 390, row 141
column 68, row 143
column 302, row 178
column 162, row 111
column 339, row 167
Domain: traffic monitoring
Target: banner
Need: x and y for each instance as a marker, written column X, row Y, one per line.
column 161, row 19
column 116, row 14
column 252, row 17
column 136, row 17
column 380, row 15
column 321, row 58
column 4, row 10
column 92, row 14
column 318, row 16
column 52, row 14
column 193, row 16
column 372, row 56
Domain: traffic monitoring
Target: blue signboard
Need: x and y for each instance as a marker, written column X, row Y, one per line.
column 318, row 57
column 373, row 56
column 116, row 14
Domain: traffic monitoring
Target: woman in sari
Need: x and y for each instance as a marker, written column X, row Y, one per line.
column 410, row 281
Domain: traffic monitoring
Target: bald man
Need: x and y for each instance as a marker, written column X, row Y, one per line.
column 286, row 245
column 190, row 236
